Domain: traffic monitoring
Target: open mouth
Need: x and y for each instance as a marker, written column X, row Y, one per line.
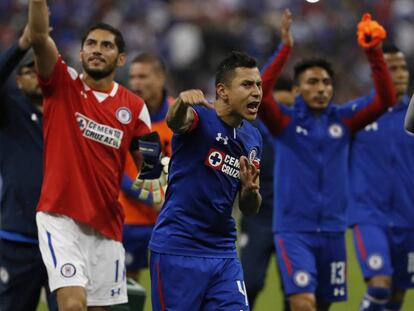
column 253, row 107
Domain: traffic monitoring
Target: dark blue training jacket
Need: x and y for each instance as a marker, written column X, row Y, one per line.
column 21, row 146
column 381, row 172
column 312, row 151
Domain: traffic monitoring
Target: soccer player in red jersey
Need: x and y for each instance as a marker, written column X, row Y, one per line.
column 90, row 123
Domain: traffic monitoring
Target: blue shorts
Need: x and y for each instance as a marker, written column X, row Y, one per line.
column 136, row 239
column 386, row 251
column 183, row 283
column 313, row 263
column 22, row 275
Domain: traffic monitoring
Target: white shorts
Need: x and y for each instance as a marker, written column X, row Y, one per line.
column 77, row 255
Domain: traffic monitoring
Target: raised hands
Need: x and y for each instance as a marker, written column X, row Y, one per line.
column 193, row 97
column 179, row 117
column 249, row 175
column 285, row 31
column 370, row 33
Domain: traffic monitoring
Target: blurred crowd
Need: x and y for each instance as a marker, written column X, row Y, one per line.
column 192, row 35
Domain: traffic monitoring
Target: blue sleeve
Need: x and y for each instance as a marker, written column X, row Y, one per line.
column 126, row 186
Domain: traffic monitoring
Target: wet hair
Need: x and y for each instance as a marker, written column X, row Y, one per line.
column 146, row 57
column 283, row 83
column 225, row 70
column 390, row 48
column 307, row 63
column 119, row 39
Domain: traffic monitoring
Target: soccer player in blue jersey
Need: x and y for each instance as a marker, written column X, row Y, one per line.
column 256, row 237
column 214, row 165
column 313, row 141
column 381, row 209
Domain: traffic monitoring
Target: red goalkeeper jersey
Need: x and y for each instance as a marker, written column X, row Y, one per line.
column 87, row 135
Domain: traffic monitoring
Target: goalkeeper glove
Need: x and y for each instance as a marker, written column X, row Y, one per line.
column 369, row 32
column 155, row 188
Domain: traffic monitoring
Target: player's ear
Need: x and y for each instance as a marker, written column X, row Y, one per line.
column 295, row 91
column 121, row 59
column 222, row 91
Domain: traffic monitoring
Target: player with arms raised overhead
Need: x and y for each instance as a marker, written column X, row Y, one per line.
column 215, row 159
column 90, row 123
column 313, row 141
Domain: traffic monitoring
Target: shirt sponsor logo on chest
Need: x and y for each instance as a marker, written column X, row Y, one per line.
column 220, row 161
column 100, row 133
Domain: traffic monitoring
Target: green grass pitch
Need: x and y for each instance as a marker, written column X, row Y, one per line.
column 271, row 299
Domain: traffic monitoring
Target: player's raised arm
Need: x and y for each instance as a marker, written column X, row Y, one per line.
column 180, row 117
column 46, row 53
column 409, row 117
column 370, row 35
column 270, row 111
column 250, row 198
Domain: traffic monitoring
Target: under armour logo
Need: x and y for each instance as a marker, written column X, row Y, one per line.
column 84, row 94
column 339, row 291
column 301, row 130
column 224, row 139
column 115, row 291
column 372, row 127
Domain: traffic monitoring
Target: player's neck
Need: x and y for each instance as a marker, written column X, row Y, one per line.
column 154, row 103
column 226, row 114
column 102, row 85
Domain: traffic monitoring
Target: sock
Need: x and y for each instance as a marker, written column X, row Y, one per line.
column 375, row 299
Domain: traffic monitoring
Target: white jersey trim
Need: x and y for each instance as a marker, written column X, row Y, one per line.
column 144, row 116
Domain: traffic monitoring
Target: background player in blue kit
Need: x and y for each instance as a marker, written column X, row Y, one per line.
column 381, row 209
column 311, row 167
column 215, row 160
column 256, row 237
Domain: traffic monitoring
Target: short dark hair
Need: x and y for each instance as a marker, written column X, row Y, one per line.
column 235, row 59
column 307, row 63
column 146, row 57
column 24, row 65
column 389, row 47
column 119, row 39
column 283, row 83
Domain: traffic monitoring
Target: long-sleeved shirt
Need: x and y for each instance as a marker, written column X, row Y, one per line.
column 21, row 148
column 312, row 151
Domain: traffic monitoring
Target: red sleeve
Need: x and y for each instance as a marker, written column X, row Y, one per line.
column 270, row 112
column 51, row 84
column 385, row 95
column 195, row 121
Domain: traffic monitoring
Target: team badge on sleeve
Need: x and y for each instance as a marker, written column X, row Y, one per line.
column 124, row 115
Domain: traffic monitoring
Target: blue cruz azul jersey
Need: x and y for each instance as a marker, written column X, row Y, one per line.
column 312, row 150
column 381, row 172
column 196, row 219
